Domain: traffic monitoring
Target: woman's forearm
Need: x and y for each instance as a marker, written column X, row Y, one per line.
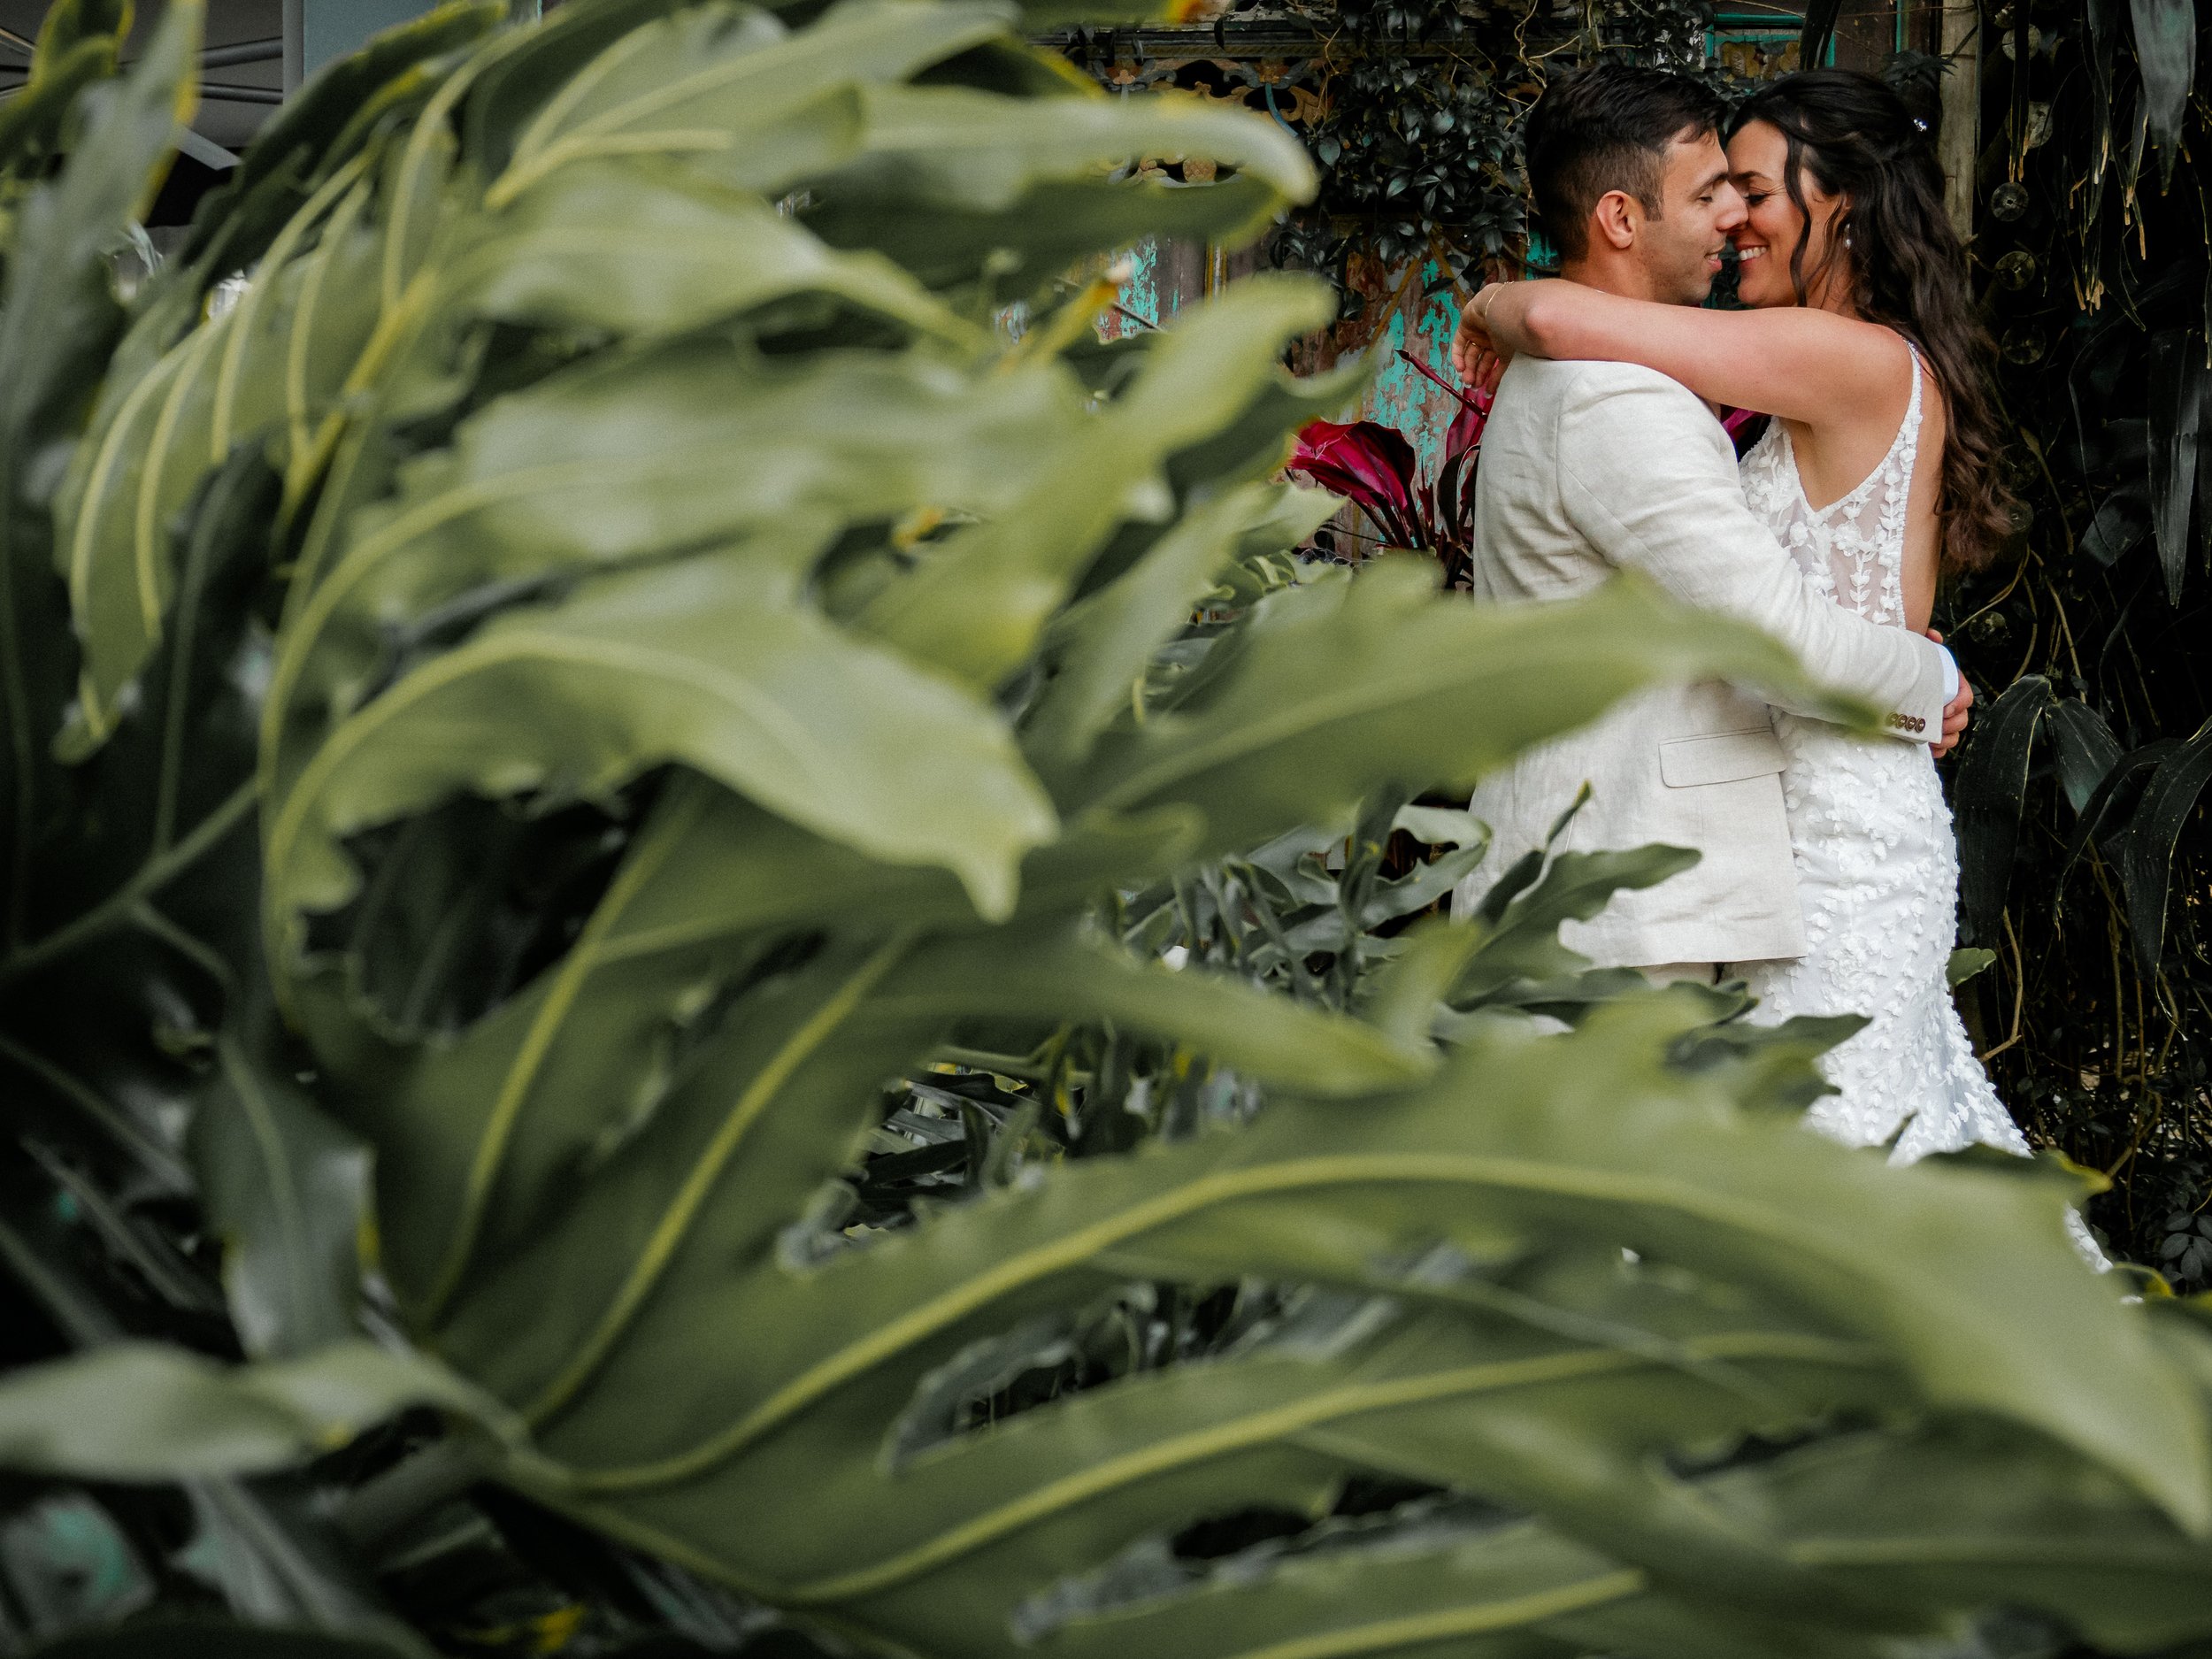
column 1552, row 317
column 1790, row 361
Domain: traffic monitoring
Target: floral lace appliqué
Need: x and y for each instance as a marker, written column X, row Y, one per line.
column 1876, row 864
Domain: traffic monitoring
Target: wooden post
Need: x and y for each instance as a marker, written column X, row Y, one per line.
column 295, row 45
column 1961, row 146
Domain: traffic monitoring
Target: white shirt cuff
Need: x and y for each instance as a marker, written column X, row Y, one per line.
column 1950, row 678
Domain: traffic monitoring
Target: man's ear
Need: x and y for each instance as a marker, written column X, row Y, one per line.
column 1616, row 219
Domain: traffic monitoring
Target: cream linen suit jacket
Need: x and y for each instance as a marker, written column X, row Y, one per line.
column 1591, row 468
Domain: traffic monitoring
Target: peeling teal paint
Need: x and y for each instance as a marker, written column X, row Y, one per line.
column 1139, row 296
column 1401, row 397
column 1141, row 293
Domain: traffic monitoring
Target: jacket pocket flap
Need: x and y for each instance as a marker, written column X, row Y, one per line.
column 1722, row 757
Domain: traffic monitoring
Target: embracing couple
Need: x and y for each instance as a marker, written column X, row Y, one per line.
column 1829, row 878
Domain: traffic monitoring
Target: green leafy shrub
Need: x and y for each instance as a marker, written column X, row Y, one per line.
column 605, row 657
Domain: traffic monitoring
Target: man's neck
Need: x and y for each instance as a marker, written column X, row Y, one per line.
column 1611, row 274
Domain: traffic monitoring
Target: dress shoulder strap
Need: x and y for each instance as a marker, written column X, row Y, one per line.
column 1907, row 445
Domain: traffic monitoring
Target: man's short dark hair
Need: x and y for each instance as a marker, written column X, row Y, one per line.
column 1608, row 128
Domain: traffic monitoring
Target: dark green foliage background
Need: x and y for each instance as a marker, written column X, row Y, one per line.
column 1420, row 151
column 2090, row 257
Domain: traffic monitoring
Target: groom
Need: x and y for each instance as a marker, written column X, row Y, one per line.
column 1591, row 468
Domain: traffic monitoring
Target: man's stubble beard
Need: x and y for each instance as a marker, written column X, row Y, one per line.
column 1691, row 287
column 1678, row 279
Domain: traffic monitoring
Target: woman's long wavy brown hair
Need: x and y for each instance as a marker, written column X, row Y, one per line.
column 1907, row 268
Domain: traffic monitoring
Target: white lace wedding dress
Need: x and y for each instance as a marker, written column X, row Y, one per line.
column 1876, row 867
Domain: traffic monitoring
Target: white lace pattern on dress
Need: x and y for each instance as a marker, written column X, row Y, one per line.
column 1877, row 868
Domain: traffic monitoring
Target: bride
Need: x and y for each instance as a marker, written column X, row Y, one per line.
column 1879, row 471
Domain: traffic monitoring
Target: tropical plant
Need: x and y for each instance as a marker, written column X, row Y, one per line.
column 1374, row 467
column 603, row 657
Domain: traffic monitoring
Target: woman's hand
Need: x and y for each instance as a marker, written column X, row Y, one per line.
column 1477, row 357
